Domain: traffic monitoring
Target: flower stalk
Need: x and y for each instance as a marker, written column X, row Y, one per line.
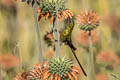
column 89, row 21
column 55, row 31
column 91, row 59
column 38, row 32
column 55, row 34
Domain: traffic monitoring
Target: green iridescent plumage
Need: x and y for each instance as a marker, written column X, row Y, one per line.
column 65, row 36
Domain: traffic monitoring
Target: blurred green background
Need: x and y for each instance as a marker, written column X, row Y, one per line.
column 18, row 40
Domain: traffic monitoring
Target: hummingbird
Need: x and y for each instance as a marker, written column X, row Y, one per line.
column 65, row 37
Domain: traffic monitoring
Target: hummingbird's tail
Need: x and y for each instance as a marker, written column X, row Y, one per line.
column 79, row 62
column 71, row 45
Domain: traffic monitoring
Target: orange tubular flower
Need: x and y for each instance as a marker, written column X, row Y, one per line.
column 51, row 77
column 45, row 75
column 68, row 14
column 51, row 20
column 75, row 69
column 60, row 17
column 56, row 77
column 59, row 77
column 74, row 75
column 65, row 14
column 38, row 10
column 69, row 75
column 47, row 15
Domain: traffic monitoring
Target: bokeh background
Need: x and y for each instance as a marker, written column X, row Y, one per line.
column 18, row 40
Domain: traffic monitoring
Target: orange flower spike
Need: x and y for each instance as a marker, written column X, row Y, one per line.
column 64, row 14
column 69, row 76
column 51, row 77
column 74, row 75
column 70, row 12
column 60, row 17
column 47, row 15
column 56, row 77
column 51, row 20
column 38, row 10
column 75, row 69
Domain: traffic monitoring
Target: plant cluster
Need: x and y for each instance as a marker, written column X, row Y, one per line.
column 57, row 68
column 62, row 68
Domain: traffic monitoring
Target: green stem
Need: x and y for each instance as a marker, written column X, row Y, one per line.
column 17, row 46
column 38, row 32
column 91, row 60
column 55, row 33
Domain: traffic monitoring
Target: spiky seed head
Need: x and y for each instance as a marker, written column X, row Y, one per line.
column 50, row 9
column 88, row 20
column 51, row 6
column 59, row 68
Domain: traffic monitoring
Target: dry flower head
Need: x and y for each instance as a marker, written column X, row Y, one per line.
column 38, row 71
column 109, row 56
column 88, row 20
column 8, row 61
